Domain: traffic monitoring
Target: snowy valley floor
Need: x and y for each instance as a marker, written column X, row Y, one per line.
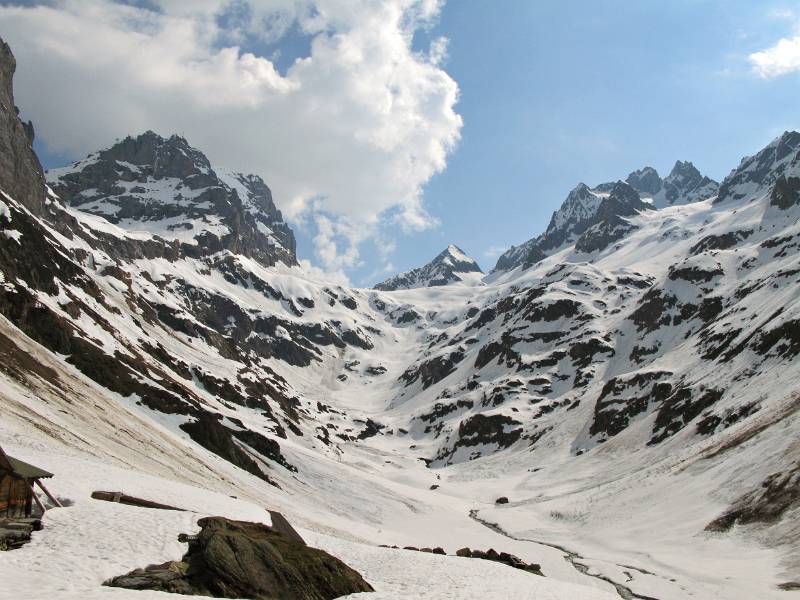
column 371, row 497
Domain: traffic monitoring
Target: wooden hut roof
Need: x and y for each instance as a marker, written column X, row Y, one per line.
column 26, row 470
column 20, row 468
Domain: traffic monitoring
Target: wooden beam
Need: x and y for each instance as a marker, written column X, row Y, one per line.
column 38, row 502
column 53, row 499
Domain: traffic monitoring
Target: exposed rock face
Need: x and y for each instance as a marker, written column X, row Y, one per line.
column 21, row 174
column 236, row 559
column 778, row 493
column 576, row 215
column 588, row 208
column 646, row 181
column 685, row 184
column 758, row 173
column 785, row 193
column 449, row 266
column 610, row 224
column 167, row 188
column 589, row 218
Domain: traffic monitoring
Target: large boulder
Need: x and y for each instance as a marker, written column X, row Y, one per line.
column 237, row 559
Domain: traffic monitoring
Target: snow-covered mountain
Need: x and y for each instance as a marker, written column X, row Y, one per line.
column 589, row 219
column 605, row 208
column 627, row 379
column 683, row 185
column 450, row 266
column 165, row 188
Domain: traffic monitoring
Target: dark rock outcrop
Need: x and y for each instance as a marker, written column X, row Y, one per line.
column 686, row 184
column 237, row 559
column 777, row 494
column 779, row 159
column 21, row 175
column 501, row 557
column 645, row 180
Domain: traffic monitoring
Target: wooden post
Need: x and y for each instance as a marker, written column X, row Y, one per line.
column 53, row 499
column 38, row 502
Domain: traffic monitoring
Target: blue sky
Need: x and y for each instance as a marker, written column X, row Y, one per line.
column 554, row 93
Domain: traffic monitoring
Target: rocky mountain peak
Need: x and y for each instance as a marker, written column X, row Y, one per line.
column 645, row 180
column 583, row 209
column 449, row 266
column 625, row 195
column 165, row 187
column 456, row 258
column 685, row 184
column 758, row 174
column 684, row 168
column 164, row 157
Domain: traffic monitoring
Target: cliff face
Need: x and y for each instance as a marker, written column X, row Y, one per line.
column 21, row 173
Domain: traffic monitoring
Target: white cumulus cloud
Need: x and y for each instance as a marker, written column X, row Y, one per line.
column 347, row 137
column 780, row 59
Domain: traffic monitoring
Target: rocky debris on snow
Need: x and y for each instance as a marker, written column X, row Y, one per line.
column 437, row 550
column 491, row 554
column 15, row 533
column 237, row 559
column 789, row 586
column 778, row 493
column 501, row 557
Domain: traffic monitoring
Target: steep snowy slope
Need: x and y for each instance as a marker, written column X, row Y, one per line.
column 632, row 389
column 449, row 266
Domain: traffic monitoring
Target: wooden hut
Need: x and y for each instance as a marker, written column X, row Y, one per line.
column 17, row 495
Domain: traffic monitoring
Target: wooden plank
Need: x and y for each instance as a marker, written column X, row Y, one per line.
column 38, row 502
column 131, row 500
column 53, row 499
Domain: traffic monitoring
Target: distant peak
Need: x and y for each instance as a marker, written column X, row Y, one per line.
column 683, row 166
column 788, row 137
column 451, row 265
column 645, row 181
column 460, row 260
column 623, row 189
